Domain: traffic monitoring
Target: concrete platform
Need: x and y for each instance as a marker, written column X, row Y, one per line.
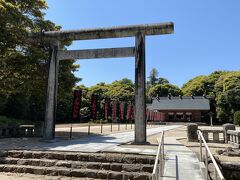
column 181, row 163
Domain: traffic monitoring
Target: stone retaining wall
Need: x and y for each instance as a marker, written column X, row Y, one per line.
column 230, row 170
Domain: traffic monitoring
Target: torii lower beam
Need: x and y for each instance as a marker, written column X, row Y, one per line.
column 137, row 31
column 97, row 53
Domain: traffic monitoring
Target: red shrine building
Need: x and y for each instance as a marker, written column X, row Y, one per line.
column 178, row 109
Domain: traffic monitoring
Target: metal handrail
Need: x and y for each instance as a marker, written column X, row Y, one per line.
column 159, row 161
column 217, row 171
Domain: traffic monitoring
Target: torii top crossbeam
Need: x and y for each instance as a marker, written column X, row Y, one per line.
column 102, row 33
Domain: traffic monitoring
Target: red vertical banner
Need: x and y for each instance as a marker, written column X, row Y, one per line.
column 76, row 104
column 132, row 113
column 129, row 111
column 122, row 110
column 94, row 106
column 114, row 111
column 106, row 108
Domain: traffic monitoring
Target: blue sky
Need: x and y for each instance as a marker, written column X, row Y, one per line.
column 207, row 36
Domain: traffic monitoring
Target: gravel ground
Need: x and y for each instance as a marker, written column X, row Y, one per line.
column 62, row 133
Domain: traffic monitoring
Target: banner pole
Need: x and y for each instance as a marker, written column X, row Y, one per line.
column 70, row 131
column 89, row 128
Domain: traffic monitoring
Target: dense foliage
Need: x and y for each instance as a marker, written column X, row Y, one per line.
column 227, row 90
column 237, row 118
column 122, row 90
column 24, row 63
column 223, row 87
column 159, row 86
column 164, row 90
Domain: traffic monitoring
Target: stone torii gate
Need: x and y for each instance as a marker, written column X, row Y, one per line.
column 137, row 31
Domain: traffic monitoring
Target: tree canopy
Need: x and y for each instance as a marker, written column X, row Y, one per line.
column 195, row 86
column 153, row 76
column 24, row 63
column 227, row 90
column 223, row 87
column 159, row 86
column 164, row 90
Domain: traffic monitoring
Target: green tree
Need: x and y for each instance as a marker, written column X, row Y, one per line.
column 202, row 84
column 162, row 80
column 153, row 77
column 100, row 89
column 211, row 81
column 122, row 90
column 237, row 118
column 228, row 95
column 195, row 86
column 164, row 90
column 18, row 17
column 24, row 63
column 223, row 87
column 153, row 80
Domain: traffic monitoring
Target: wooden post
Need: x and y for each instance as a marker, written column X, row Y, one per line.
column 101, row 126
column 51, row 102
column 140, row 75
column 70, row 134
column 89, row 124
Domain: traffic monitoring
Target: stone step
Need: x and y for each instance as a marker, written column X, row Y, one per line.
column 72, row 172
column 78, row 156
column 79, row 164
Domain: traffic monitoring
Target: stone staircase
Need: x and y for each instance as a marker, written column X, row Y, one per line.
column 77, row 164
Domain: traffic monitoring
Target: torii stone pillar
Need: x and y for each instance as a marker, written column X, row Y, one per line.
column 140, row 100
column 51, row 102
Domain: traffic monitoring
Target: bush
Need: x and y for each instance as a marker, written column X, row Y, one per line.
column 237, row 118
column 11, row 121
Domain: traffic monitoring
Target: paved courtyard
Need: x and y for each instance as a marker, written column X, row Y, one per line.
column 93, row 143
column 181, row 162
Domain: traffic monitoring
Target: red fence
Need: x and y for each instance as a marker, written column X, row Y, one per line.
column 155, row 116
